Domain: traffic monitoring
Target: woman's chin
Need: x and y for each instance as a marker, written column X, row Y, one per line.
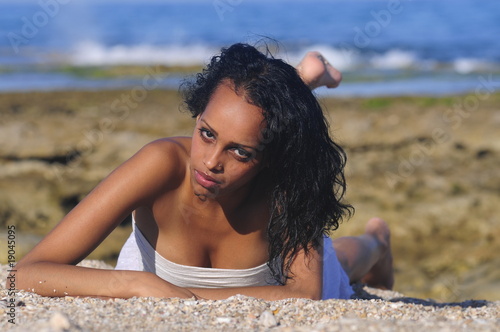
column 203, row 193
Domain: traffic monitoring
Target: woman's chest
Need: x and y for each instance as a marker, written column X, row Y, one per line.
column 189, row 235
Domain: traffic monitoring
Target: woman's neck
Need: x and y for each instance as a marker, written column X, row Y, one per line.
column 245, row 201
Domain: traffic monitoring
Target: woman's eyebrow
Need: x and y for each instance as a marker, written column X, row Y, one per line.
column 233, row 143
column 244, row 146
column 209, row 127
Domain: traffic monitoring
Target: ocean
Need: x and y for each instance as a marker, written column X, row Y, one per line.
column 383, row 47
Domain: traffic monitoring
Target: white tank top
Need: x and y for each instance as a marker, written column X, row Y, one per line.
column 138, row 254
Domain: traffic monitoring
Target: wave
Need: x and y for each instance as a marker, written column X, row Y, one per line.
column 95, row 54
column 395, row 59
column 351, row 59
column 91, row 53
column 471, row 65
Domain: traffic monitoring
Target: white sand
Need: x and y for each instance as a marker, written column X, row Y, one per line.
column 374, row 310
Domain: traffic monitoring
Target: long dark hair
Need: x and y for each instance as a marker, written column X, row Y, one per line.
column 305, row 164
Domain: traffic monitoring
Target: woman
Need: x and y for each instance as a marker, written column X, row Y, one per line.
column 242, row 207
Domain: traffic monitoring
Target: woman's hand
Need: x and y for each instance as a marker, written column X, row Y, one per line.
column 153, row 286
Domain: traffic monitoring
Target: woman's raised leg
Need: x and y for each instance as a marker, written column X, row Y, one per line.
column 316, row 71
column 368, row 258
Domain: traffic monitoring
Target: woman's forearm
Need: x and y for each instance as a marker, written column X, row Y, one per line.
column 269, row 293
column 53, row 279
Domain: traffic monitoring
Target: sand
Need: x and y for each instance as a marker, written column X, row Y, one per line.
column 372, row 310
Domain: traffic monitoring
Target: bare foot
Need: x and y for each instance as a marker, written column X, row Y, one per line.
column 316, row 71
column 381, row 275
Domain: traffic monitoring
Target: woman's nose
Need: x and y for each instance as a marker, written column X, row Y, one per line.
column 214, row 163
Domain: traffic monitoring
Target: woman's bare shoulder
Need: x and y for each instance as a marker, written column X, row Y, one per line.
column 164, row 160
column 169, row 147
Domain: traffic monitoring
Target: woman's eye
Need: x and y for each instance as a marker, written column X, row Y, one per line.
column 206, row 134
column 242, row 153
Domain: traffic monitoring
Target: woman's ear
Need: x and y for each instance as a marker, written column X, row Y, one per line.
column 197, row 119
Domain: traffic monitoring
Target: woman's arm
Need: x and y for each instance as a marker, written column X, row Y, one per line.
column 307, row 282
column 49, row 268
column 56, row 279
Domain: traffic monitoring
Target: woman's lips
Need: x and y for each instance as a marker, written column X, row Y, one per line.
column 204, row 180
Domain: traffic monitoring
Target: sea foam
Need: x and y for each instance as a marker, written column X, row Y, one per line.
column 92, row 53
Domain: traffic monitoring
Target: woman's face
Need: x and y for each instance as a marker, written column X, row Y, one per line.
column 225, row 155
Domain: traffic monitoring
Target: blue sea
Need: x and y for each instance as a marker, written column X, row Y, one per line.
column 383, row 47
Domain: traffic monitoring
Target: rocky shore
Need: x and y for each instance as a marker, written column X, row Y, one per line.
column 427, row 165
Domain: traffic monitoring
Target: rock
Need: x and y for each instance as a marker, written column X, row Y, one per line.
column 59, row 322
column 267, row 319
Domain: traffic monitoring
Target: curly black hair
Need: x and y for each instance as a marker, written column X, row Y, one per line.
column 305, row 164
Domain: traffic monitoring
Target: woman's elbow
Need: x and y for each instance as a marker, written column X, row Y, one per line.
column 14, row 278
column 20, row 276
column 315, row 295
column 311, row 291
column 310, row 294
column 11, row 281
